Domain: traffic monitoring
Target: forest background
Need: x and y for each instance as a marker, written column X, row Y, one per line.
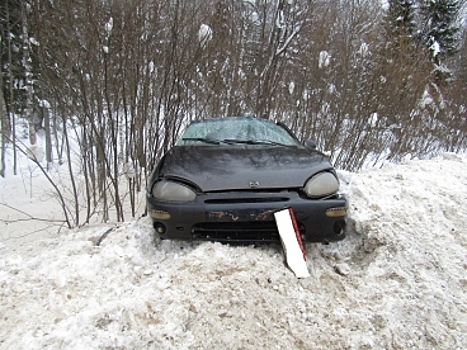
column 102, row 88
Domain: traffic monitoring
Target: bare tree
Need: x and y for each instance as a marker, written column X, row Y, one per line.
column 123, row 78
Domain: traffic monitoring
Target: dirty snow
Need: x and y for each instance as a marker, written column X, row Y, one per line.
column 396, row 282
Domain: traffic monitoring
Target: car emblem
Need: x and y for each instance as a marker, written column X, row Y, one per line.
column 254, row 184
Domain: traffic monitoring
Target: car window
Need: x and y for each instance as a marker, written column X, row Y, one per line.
column 236, row 131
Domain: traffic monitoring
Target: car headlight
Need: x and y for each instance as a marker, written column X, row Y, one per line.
column 322, row 184
column 170, row 191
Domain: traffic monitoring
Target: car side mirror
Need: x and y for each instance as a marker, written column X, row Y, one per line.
column 310, row 144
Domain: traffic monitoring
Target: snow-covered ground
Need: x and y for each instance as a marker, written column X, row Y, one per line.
column 397, row 281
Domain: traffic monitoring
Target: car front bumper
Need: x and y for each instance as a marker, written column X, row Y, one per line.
column 247, row 217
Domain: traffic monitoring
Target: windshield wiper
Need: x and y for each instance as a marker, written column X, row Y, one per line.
column 235, row 141
column 255, row 142
column 202, row 139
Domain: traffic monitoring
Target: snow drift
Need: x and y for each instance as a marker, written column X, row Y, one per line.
column 396, row 282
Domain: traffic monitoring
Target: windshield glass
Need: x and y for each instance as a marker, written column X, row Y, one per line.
column 236, row 130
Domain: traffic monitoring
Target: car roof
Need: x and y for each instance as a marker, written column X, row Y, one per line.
column 246, row 117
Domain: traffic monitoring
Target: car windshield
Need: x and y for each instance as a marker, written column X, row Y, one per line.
column 236, row 131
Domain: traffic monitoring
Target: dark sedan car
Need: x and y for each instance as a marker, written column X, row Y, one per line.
column 225, row 178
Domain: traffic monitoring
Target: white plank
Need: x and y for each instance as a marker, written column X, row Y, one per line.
column 291, row 243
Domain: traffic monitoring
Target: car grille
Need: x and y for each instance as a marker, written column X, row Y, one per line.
column 264, row 231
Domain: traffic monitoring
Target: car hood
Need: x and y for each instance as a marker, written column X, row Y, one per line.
column 214, row 168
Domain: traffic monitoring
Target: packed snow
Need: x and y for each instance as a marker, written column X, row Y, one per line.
column 396, row 282
column 204, row 34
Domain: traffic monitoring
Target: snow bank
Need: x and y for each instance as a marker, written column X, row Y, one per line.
column 397, row 282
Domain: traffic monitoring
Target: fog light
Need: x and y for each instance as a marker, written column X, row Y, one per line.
column 339, row 227
column 160, row 214
column 336, row 212
column 160, row 228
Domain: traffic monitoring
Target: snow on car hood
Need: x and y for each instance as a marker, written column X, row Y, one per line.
column 215, row 168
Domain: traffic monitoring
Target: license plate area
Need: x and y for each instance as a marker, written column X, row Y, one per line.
column 241, row 215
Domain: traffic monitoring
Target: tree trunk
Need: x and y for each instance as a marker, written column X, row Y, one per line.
column 4, row 129
column 28, row 79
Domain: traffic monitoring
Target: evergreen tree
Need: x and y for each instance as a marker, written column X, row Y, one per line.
column 398, row 49
column 400, row 19
column 440, row 32
column 17, row 62
column 11, row 55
